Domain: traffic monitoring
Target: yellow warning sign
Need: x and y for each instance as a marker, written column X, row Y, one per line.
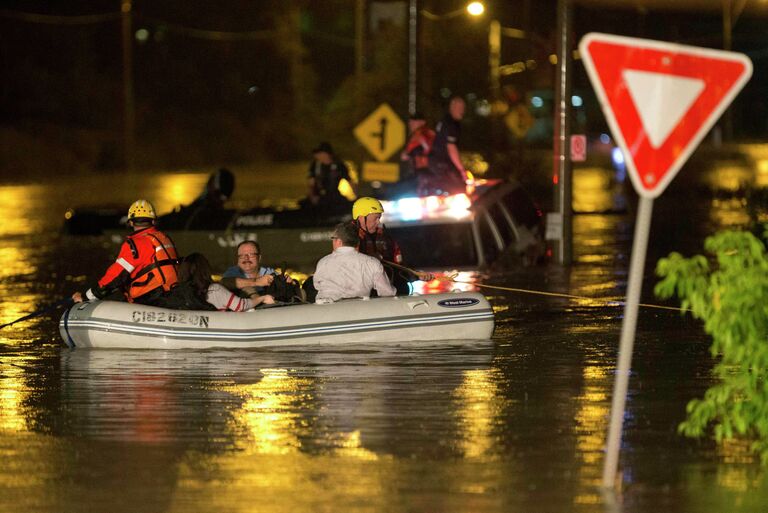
column 381, row 172
column 382, row 133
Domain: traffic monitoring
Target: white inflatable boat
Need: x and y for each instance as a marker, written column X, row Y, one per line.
column 452, row 316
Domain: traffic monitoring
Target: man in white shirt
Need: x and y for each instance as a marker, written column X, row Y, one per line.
column 345, row 273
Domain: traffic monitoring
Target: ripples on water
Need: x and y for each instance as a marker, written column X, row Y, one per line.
column 513, row 424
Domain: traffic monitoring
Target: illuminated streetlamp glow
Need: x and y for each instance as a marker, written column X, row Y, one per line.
column 476, row 8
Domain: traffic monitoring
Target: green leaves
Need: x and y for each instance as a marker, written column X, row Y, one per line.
column 729, row 292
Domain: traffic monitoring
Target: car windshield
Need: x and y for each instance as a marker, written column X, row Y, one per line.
column 436, row 245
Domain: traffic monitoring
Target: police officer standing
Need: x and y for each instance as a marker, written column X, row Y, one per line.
column 145, row 269
column 445, row 161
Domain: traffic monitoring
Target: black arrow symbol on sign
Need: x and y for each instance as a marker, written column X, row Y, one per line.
column 382, row 135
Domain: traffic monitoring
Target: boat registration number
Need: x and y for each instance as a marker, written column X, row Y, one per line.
column 171, row 317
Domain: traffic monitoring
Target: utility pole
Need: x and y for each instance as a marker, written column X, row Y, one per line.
column 494, row 59
column 413, row 56
column 129, row 120
column 732, row 9
column 562, row 136
column 360, row 31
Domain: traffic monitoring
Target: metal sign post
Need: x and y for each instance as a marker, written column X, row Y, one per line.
column 627, row 341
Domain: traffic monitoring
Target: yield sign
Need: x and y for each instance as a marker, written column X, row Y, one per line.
column 660, row 99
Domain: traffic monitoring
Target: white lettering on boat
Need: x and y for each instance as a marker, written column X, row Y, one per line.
column 255, row 220
column 458, row 302
column 231, row 241
column 171, row 317
column 315, row 236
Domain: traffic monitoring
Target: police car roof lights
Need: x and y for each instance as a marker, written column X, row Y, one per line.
column 428, row 207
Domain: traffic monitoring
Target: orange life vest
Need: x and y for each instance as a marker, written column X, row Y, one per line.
column 158, row 253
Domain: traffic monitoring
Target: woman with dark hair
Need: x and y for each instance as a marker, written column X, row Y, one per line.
column 196, row 270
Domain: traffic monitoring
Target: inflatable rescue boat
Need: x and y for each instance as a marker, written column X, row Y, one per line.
column 111, row 324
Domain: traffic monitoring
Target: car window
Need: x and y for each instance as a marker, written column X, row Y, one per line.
column 522, row 207
column 436, row 245
column 505, row 229
column 488, row 239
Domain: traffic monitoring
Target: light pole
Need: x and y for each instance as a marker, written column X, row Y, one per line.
column 562, row 136
column 732, row 9
column 495, row 33
column 413, row 55
column 414, row 14
column 128, row 110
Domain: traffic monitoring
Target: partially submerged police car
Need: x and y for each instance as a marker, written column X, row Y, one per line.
column 496, row 220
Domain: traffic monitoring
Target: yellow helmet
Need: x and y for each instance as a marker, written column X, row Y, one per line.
column 141, row 209
column 365, row 206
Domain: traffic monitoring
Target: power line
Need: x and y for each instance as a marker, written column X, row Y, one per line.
column 212, row 35
column 49, row 19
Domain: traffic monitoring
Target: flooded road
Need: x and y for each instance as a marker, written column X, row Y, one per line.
column 516, row 423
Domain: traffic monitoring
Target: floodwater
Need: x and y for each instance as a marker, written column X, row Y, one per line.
column 514, row 424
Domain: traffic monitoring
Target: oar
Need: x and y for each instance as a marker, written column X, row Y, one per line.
column 64, row 302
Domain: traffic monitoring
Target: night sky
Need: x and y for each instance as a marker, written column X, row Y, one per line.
column 236, row 80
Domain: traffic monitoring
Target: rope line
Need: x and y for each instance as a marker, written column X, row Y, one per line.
column 452, row 278
column 607, row 301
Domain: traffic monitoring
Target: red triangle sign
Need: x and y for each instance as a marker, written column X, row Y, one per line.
column 660, row 99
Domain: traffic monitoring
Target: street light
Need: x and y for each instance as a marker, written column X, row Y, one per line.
column 414, row 12
column 476, row 8
column 472, row 8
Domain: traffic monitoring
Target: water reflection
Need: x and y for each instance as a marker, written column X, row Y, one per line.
column 596, row 189
column 516, row 424
column 478, row 406
column 17, row 206
column 271, row 412
column 758, row 153
column 307, row 400
column 13, row 393
column 296, row 430
column 593, row 411
column 729, row 213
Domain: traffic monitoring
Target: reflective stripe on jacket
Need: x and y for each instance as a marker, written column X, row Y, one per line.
column 149, row 257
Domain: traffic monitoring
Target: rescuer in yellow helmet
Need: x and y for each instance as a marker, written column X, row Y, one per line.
column 376, row 241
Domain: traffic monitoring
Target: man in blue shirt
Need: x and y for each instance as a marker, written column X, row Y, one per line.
column 248, row 276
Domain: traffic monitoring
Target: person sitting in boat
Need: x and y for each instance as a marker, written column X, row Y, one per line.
column 248, row 277
column 207, row 210
column 146, row 267
column 346, row 273
column 323, row 178
column 195, row 270
column 218, row 189
column 374, row 240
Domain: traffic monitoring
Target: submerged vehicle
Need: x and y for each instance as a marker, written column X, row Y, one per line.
column 469, row 230
column 112, row 324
